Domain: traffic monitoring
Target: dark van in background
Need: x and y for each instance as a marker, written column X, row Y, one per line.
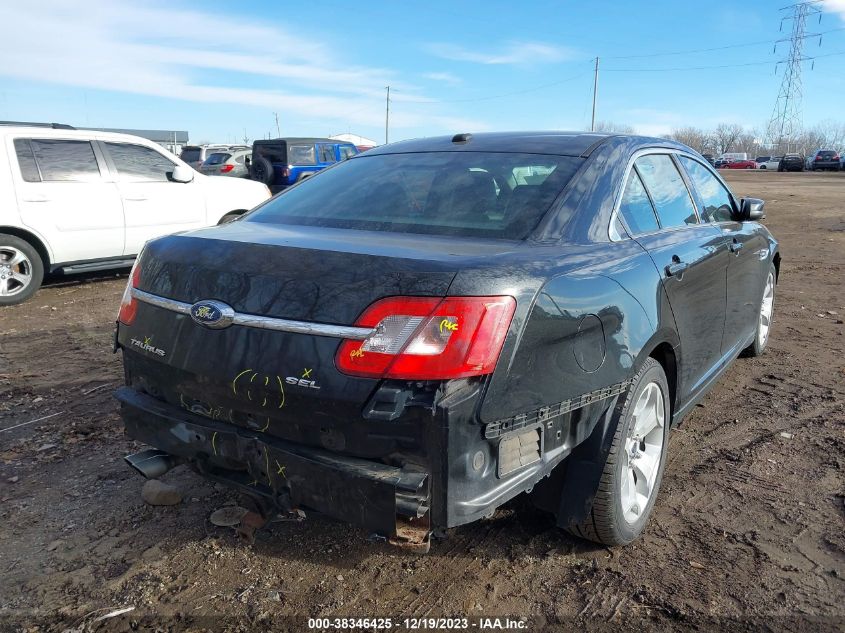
column 281, row 162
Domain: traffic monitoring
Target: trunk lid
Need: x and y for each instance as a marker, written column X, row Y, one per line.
column 279, row 382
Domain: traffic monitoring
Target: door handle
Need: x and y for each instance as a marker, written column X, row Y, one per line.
column 137, row 198
column 736, row 246
column 36, row 198
column 676, row 268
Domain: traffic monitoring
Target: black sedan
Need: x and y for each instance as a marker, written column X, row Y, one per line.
column 413, row 337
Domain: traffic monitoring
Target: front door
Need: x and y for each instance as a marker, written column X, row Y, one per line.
column 747, row 246
column 154, row 205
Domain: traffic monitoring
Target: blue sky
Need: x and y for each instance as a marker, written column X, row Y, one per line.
column 221, row 69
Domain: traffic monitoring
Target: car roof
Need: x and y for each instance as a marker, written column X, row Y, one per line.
column 301, row 139
column 80, row 133
column 541, row 142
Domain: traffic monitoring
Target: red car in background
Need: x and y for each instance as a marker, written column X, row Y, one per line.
column 740, row 164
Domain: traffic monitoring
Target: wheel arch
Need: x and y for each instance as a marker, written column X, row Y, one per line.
column 36, row 242
column 235, row 212
column 664, row 354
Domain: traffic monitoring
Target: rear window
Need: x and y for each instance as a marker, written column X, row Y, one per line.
column 217, row 159
column 472, row 194
column 827, row 154
column 274, row 152
column 191, row 154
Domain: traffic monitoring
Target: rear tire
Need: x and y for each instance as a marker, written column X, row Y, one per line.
column 634, row 468
column 21, row 270
column 764, row 320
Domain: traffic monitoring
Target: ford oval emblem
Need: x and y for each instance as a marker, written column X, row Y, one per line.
column 212, row 314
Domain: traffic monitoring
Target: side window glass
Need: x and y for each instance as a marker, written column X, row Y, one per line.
column 668, row 191
column 65, row 161
column 716, row 199
column 636, row 208
column 302, row 155
column 26, row 160
column 327, row 154
column 136, row 163
column 346, row 152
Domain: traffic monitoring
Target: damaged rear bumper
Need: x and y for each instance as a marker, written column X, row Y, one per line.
column 390, row 501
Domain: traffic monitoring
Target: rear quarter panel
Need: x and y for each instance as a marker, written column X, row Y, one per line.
column 585, row 329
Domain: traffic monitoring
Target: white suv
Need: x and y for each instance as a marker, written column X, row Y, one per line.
column 78, row 200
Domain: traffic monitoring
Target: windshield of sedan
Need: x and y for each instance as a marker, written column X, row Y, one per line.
column 474, row 194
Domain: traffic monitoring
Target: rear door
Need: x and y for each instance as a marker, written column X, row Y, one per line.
column 691, row 257
column 747, row 245
column 154, row 205
column 65, row 193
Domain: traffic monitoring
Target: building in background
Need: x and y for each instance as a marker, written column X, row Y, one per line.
column 361, row 142
column 171, row 140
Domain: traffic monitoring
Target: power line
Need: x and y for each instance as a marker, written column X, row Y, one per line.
column 718, row 48
column 500, row 96
column 685, row 68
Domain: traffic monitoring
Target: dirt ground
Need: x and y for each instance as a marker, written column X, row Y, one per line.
column 747, row 532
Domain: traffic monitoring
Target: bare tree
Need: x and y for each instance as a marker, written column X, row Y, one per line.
column 725, row 136
column 696, row 138
column 747, row 142
column 611, row 126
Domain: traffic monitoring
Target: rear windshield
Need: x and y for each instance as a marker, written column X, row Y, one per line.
column 190, row 154
column 474, row 194
column 827, row 154
column 217, row 158
column 274, row 152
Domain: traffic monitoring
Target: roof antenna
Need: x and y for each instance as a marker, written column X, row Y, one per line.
column 463, row 137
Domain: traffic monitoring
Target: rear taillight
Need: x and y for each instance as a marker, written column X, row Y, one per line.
column 129, row 304
column 421, row 338
column 818, row 157
column 225, row 169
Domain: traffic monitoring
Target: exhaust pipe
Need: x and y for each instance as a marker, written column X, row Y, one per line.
column 153, row 463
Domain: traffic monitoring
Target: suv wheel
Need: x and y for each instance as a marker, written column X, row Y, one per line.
column 634, row 466
column 21, row 270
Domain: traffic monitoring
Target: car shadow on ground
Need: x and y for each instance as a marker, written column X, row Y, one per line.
column 60, row 280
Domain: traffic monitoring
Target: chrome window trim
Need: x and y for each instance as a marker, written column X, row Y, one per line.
column 612, row 235
column 262, row 322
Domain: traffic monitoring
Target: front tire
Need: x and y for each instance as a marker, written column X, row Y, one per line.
column 764, row 321
column 634, row 468
column 229, row 217
column 21, row 270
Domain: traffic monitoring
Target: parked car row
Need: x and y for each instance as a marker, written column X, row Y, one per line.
column 278, row 163
column 82, row 200
column 818, row 160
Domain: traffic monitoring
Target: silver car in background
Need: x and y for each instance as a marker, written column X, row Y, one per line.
column 228, row 163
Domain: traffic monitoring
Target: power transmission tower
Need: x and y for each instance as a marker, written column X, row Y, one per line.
column 787, row 118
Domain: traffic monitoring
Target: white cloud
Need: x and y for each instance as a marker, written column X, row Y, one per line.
column 513, row 53
column 835, row 6
column 446, row 78
column 166, row 51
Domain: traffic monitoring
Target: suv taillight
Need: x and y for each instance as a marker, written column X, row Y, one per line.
column 129, row 304
column 421, row 338
column 225, row 169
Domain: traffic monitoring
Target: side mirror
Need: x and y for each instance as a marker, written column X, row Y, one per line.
column 181, row 173
column 751, row 209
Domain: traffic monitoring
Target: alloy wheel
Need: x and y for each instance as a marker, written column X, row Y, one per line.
column 766, row 309
column 15, row 271
column 643, row 453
